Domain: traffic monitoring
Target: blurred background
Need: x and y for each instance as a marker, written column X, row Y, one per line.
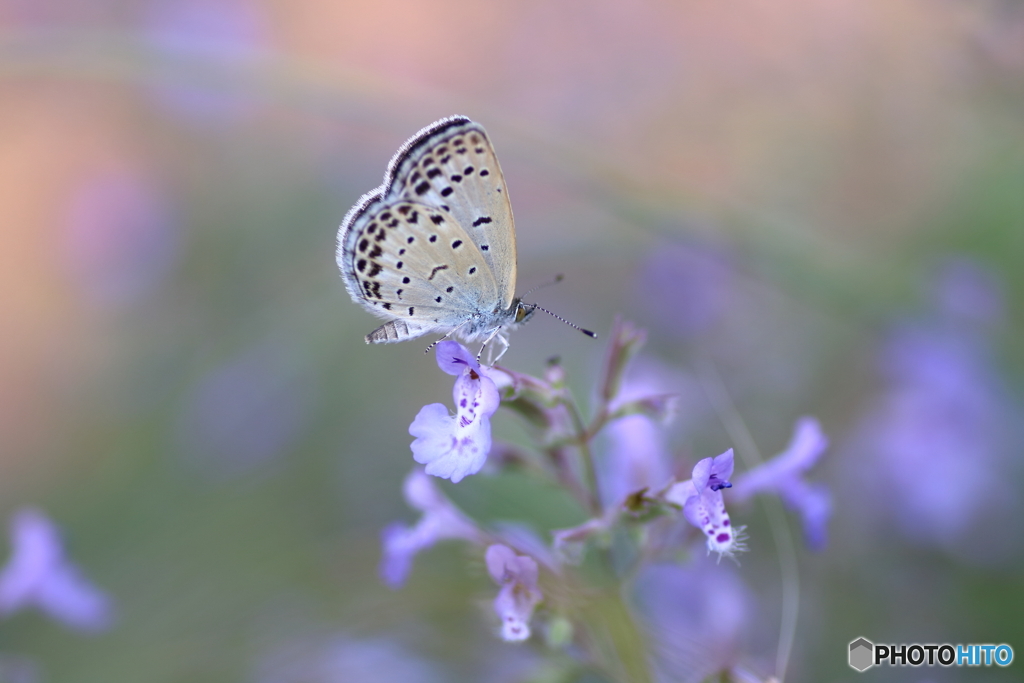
column 823, row 198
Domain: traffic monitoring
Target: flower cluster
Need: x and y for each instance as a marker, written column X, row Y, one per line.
column 627, row 492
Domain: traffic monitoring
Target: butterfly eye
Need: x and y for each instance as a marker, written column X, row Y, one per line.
column 521, row 313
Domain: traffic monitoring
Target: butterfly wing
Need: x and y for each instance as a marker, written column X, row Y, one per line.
column 451, row 164
column 413, row 264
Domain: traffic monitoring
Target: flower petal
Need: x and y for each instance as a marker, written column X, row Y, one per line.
column 441, row 520
column 453, row 358
column 39, row 574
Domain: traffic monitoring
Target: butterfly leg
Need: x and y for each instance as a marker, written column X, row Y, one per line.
column 446, row 336
column 497, row 336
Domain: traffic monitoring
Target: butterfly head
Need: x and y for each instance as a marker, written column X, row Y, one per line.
column 523, row 312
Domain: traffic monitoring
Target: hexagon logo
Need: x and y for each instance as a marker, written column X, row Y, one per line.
column 862, row 654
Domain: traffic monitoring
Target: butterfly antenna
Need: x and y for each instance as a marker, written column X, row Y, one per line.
column 592, row 335
column 558, row 278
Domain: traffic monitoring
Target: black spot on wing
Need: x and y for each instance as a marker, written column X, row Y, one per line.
column 481, row 221
column 435, row 271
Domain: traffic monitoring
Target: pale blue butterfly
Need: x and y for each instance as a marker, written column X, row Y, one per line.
column 433, row 249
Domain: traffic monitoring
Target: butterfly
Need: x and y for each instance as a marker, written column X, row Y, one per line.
column 433, row 249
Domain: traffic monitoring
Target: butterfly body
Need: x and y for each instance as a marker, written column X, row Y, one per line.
column 433, row 249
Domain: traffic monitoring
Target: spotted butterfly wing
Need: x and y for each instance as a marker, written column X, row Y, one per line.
column 433, row 248
column 451, row 164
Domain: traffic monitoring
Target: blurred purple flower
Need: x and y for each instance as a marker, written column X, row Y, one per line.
column 703, row 504
column 695, row 617
column 523, row 539
column 121, row 237
column 517, row 575
column 687, row 287
column 943, row 429
column 637, row 455
column 210, row 41
column 246, row 412
column 453, row 447
column 441, row 520
column 782, row 475
column 38, row 575
column 330, row 658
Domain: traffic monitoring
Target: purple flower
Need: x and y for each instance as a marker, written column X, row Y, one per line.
column 782, row 475
column 455, row 446
column 637, row 457
column 39, row 575
column 696, row 618
column 440, row 520
column 519, row 595
column 637, row 454
column 944, row 428
column 703, row 505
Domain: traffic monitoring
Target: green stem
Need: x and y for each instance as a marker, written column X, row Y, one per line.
column 583, row 438
column 614, row 641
